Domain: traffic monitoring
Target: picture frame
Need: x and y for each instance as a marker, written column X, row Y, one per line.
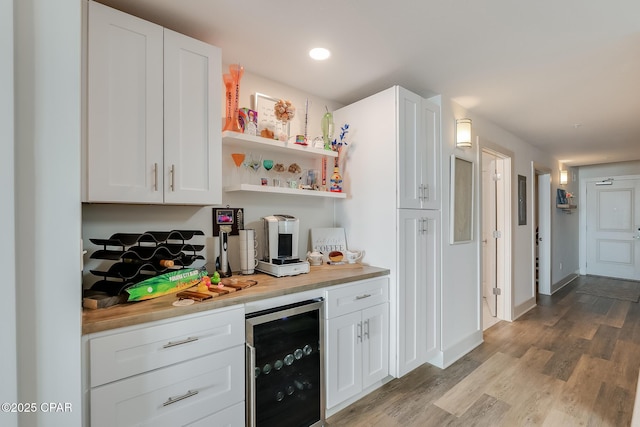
column 231, row 218
column 264, row 106
column 462, row 199
column 522, row 200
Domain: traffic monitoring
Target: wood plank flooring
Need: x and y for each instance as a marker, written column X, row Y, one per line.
column 571, row 361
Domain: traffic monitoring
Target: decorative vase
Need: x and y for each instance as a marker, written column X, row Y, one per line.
column 282, row 130
column 232, row 86
column 335, row 180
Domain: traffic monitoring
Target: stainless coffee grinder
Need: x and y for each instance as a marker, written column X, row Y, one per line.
column 222, row 262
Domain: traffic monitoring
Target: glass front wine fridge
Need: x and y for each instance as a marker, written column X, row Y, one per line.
column 285, row 385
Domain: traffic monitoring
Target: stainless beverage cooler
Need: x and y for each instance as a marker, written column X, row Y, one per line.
column 285, row 364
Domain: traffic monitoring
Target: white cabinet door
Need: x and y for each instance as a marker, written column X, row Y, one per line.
column 418, row 275
column 192, row 126
column 418, row 152
column 410, row 150
column 375, row 341
column 124, row 129
column 344, row 358
column 430, row 171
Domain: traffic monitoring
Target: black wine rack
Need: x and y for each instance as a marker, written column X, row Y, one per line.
column 139, row 256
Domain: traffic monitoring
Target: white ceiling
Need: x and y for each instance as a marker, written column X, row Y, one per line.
column 563, row 75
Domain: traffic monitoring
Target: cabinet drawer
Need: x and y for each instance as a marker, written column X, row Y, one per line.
column 235, row 416
column 356, row 296
column 176, row 395
column 133, row 352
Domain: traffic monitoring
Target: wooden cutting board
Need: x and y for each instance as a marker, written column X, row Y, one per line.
column 238, row 283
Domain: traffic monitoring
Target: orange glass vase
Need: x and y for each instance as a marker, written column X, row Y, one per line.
column 232, row 86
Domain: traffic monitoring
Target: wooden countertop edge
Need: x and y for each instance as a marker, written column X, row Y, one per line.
column 268, row 287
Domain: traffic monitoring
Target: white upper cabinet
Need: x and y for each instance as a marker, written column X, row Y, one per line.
column 418, row 122
column 153, row 118
column 192, row 125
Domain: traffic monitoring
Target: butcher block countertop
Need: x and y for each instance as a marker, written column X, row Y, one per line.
column 135, row 313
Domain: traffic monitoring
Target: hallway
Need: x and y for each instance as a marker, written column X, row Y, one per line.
column 572, row 360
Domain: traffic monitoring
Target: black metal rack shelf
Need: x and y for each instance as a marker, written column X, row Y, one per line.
column 139, row 256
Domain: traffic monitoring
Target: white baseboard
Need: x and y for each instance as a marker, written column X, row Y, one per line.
column 340, row 406
column 563, row 282
column 450, row 355
column 521, row 309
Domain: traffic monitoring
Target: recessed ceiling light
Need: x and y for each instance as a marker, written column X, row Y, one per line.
column 319, row 53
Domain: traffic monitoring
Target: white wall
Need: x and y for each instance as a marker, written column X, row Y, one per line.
column 461, row 286
column 460, row 323
column 47, row 201
column 608, row 169
column 100, row 221
column 8, row 388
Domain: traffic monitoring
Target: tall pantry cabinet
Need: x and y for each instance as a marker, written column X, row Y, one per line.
column 392, row 177
column 153, row 113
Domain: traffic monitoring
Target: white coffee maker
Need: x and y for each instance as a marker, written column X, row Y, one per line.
column 279, row 247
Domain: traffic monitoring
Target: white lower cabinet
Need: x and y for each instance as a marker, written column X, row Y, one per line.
column 419, row 260
column 357, row 343
column 178, row 373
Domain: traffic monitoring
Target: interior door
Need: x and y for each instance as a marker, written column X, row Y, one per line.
column 489, row 225
column 613, row 228
column 544, row 234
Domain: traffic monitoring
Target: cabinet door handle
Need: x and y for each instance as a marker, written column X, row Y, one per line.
column 426, row 190
column 366, row 329
column 184, row 341
column 173, row 178
column 359, row 337
column 425, row 225
column 155, row 177
column 421, row 192
column 172, row 400
column 363, row 296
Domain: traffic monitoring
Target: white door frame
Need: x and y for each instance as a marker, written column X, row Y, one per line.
column 489, row 242
column 582, row 203
column 542, row 206
column 504, row 223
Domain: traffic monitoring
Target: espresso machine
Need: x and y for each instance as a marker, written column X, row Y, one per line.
column 279, row 247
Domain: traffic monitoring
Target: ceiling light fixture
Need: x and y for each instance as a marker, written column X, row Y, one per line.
column 319, row 53
column 463, row 133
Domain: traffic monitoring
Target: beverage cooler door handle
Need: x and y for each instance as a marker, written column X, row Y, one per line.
column 251, row 385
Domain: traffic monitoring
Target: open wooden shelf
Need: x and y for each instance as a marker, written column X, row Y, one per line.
column 284, row 190
column 567, row 207
column 251, row 142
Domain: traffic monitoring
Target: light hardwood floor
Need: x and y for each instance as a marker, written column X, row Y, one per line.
column 571, row 361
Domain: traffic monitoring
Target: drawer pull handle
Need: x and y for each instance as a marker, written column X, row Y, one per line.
column 363, row 296
column 173, row 400
column 184, row 341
